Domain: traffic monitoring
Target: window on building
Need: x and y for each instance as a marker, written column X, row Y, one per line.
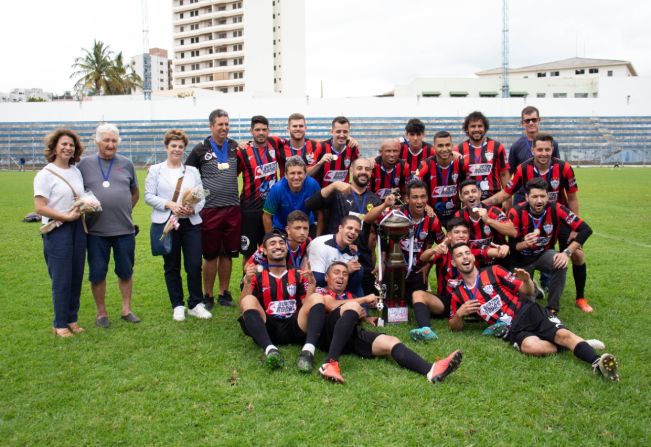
column 237, row 19
column 182, row 81
column 221, row 8
column 579, row 71
column 224, row 89
column 540, row 95
column 238, row 75
column 221, row 22
column 181, row 3
column 182, row 42
column 238, row 61
column 210, row 50
column 560, row 95
column 160, row 63
column 222, row 63
column 580, row 95
column 554, row 73
column 194, row 53
column 222, row 49
column 237, row 5
column 237, row 47
column 610, row 73
column 541, row 74
column 593, row 71
column 161, row 72
column 194, row 40
column 194, row 27
column 238, row 88
column 181, row 29
column 194, row 13
column 182, row 55
column 180, row 15
column 237, row 33
column 221, row 36
column 182, row 67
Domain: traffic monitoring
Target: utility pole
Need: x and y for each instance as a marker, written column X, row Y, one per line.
column 146, row 58
column 505, row 49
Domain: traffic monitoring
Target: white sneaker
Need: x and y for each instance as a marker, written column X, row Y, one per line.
column 199, row 311
column 596, row 344
column 179, row 313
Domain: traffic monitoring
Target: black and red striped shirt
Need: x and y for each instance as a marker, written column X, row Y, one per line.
column 414, row 160
column 309, row 152
column 258, row 167
column 481, row 234
column 383, row 180
column 485, row 164
column 447, row 275
column 338, row 296
column 280, row 297
column 443, row 185
column 294, row 258
column 559, row 176
column 548, row 223
column 496, row 289
column 336, row 170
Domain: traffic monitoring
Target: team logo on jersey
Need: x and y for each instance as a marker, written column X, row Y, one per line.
column 291, row 289
column 487, row 229
column 489, row 156
column 396, row 181
column 244, row 243
column 510, row 277
column 488, row 288
column 423, row 235
column 346, row 162
column 209, row 156
column 310, row 158
column 548, row 228
column 554, row 182
column 272, row 153
column 455, row 177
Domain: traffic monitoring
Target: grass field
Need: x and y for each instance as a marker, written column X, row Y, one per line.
column 201, row 382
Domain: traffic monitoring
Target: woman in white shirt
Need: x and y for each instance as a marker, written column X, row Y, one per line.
column 159, row 190
column 56, row 187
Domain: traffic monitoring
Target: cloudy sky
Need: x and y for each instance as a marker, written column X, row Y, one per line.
column 355, row 48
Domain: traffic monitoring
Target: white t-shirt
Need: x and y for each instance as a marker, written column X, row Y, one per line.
column 172, row 175
column 58, row 194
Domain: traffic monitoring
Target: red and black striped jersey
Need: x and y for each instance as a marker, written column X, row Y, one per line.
column 338, row 296
column 258, row 167
column 443, row 185
column 485, row 164
column 414, row 160
column 447, row 275
column 481, row 234
column 280, row 297
column 496, row 289
column 559, row 176
column 294, row 258
column 548, row 224
column 383, row 180
column 309, row 152
column 336, row 170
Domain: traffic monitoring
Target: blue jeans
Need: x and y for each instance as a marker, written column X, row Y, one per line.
column 188, row 239
column 64, row 250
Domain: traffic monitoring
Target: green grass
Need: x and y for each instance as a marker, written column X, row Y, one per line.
column 201, row 382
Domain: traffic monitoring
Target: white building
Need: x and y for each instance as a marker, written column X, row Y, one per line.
column 25, row 94
column 256, row 46
column 160, row 69
column 569, row 78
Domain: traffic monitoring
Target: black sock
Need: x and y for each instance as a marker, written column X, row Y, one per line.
column 422, row 315
column 315, row 320
column 585, row 352
column 256, row 328
column 343, row 330
column 580, row 276
column 407, row 358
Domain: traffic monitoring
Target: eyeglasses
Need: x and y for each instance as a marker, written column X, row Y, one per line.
column 530, row 120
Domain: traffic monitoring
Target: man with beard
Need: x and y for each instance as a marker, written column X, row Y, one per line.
column 278, row 306
column 324, row 250
column 297, row 144
column 336, row 155
column 538, row 224
column 487, row 224
column 354, row 198
column 442, row 174
column 342, row 334
column 493, row 295
column 485, row 157
column 414, row 150
column 390, row 172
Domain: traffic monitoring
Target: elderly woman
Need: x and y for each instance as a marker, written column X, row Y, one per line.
column 56, row 187
column 160, row 186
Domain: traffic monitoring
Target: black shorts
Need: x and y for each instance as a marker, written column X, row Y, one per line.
column 360, row 342
column 533, row 320
column 281, row 331
column 414, row 282
column 252, row 232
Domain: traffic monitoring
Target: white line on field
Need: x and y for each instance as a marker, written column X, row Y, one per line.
column 623, row 239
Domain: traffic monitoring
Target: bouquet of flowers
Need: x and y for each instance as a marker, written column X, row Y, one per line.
column 190, row 198
column 86, row 204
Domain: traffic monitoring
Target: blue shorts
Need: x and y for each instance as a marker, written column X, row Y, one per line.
column 99, row 253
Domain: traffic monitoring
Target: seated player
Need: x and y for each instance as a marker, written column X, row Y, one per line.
column 324, row 250
column 499, row 297
column 278, row 306
column 487, row 224
column 342, row 334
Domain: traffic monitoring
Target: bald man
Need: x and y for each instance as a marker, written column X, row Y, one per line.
column 390, row 171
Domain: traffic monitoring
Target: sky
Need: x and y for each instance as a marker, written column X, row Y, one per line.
column 354, row 48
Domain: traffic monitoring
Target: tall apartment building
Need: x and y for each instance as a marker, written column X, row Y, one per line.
column 236, row 46
column 160, row 74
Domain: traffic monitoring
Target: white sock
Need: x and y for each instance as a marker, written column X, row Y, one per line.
column 269, row 348
column 309, row 347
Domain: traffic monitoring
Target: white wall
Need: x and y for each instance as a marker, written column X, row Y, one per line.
column 258, row 46
column 292, row 46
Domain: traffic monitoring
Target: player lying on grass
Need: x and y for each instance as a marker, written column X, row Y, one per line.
column 494, row 294
column 342, row 333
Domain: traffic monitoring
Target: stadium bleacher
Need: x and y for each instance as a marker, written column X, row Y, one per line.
column 583, row 140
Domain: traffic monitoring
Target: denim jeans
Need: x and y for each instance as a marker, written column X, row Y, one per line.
column 187, row 239
column 64, row 250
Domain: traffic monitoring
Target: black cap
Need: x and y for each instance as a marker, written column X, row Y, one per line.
column 274, row 233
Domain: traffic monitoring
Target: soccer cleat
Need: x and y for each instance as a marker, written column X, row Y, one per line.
column 443, row 368
column 596, row 344
column 330, row 370
column 208, row 302
column 582, row 304
column 226, row 299
column 607, row 366
column 274, row 359
column 305, row 361
column 540, row 292
column 424, row 333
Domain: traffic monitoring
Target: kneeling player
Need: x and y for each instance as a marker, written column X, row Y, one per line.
column 342, row 334
column 492, row 293
column 278, row 306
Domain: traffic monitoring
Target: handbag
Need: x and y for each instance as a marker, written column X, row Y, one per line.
column 162, row 245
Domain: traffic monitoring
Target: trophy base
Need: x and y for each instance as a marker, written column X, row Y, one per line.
column 397, row 315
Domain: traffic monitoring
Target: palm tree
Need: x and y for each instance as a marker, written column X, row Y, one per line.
column 123, row 80
column 93, row 69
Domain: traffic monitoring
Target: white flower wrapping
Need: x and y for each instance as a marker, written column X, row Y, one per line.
column 190, row 198
column 86, row 204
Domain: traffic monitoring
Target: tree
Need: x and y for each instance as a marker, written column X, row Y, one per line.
column 99, row 73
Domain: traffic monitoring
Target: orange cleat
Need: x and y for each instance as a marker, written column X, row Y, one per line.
column 443, row 368
column 582, row 304
column 330, row 371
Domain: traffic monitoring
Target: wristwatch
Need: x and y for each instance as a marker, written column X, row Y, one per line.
column 568, row 252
